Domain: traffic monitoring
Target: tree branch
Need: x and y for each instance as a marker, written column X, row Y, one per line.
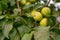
column 17, row 3
column 48, row 2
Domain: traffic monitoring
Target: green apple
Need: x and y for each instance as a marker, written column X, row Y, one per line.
column 28, row 3
column 37, row 16
column 32, row 13
column 46, row 11
column 44, row 22
column 23, row 2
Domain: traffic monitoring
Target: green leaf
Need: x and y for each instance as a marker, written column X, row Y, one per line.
column 12, row 34
column 57, row 0
column 12, row 2
column 58, row 37
column 2, row 23
column 1, row 17
column 4, row 1
column 17, row 37
column 28, row 6
column 27, row 36
column 4, row 4
column 7, row 28
column 29, row 21
column 42, row 33
column 52, row 20
column 20, row 19
column 16, row 11
column 2, row 37
column 0, row 8
column 23, row 29
column 0, row 12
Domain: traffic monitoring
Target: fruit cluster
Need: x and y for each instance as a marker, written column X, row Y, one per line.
column 25, row 2
column 41, row 16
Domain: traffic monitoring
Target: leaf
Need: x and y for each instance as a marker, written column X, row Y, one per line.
column 0, row 8
column 52, row 20
column 21, row 20
column 27, row 36
column 5, row 1
column 16, row 11
column 23, row 29
column 28, row 6
column 2, row 23
column 58, row 37
column 2, row 37
column 29, row 21
column 57, row 0
column 17, row 37
column 0, row 12
column 12, row 2
column 1, row 17
column 7, row 28
column 12, row 34
column 42, row 33
column 4, row 4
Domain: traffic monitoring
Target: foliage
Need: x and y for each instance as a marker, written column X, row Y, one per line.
column 16, row 23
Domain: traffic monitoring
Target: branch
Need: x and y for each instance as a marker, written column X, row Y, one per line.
column 48, row 2
column 17, row 3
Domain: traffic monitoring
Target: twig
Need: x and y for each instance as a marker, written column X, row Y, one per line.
column 48, row 2
column 17, row 3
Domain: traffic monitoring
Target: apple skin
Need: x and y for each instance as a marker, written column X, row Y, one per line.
column 46, row 11
column 36, row 15
column 32, row 13
column 28, row 3
column 23, row 2
column 44, row 22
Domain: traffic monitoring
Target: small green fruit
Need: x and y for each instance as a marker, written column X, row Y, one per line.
column 32, row 13
column 23, row 2
column 44, row 22
column 28, row 3
column 46, row 11
column 37, row 16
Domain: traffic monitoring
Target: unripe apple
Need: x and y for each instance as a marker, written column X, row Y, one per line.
column 46, row 11
column 32, row 13
column 44, row 22
column 23, row 2
column 28, row 3
column 37, row 16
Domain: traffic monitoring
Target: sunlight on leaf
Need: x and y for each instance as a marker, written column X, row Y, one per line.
column 8, row 27
column 42, row 33
column 12, row 34
column 23, row 29
column 17, row 37
column 27, row 36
